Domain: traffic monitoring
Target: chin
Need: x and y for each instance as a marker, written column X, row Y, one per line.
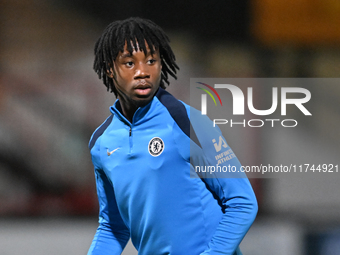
column 141, row 102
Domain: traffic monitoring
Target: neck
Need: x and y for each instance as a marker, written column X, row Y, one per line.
column 128, row 109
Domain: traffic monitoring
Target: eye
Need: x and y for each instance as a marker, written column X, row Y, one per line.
column 129, row 64
column 151, row 61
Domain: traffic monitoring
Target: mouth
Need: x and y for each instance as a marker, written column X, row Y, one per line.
column 143, row 88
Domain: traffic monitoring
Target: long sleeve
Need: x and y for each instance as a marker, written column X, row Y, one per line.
column 232, row 189
column 112, row 235
column 238, row 199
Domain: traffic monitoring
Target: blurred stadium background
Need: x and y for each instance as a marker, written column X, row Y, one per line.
column 51, row 101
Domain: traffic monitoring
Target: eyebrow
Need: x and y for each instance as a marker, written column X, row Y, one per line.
column 126, row 55
column 129, row 55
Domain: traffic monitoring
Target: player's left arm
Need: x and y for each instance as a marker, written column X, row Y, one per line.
column 238, row 198
column 233, row 189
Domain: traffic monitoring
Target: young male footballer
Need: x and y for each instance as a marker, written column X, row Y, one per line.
column 145, row 153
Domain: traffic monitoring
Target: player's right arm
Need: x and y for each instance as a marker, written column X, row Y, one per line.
column 112, row 235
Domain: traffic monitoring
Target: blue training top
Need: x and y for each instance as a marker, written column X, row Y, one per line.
column 147, row 190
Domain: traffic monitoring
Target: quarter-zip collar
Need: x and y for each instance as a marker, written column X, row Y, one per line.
column 141, row 115
column 137, row 116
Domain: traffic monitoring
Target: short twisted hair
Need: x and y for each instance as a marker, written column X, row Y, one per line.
column 138, row 32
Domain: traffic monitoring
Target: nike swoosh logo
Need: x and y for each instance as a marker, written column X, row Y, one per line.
column 110, row 152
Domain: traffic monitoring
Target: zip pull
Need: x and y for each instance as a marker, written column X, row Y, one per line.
column 130, row 131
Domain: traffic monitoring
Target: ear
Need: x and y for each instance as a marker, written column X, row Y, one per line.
column 110, row 73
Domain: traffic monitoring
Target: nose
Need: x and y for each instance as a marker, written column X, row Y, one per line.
column 142, row 71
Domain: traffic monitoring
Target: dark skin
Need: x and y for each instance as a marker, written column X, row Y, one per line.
column 136, row 77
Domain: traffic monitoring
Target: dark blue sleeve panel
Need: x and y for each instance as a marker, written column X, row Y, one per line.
column 99, row 131
column 234, row 192
column 178, row 112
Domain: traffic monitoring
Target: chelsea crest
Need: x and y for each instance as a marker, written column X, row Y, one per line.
column 156, row 146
